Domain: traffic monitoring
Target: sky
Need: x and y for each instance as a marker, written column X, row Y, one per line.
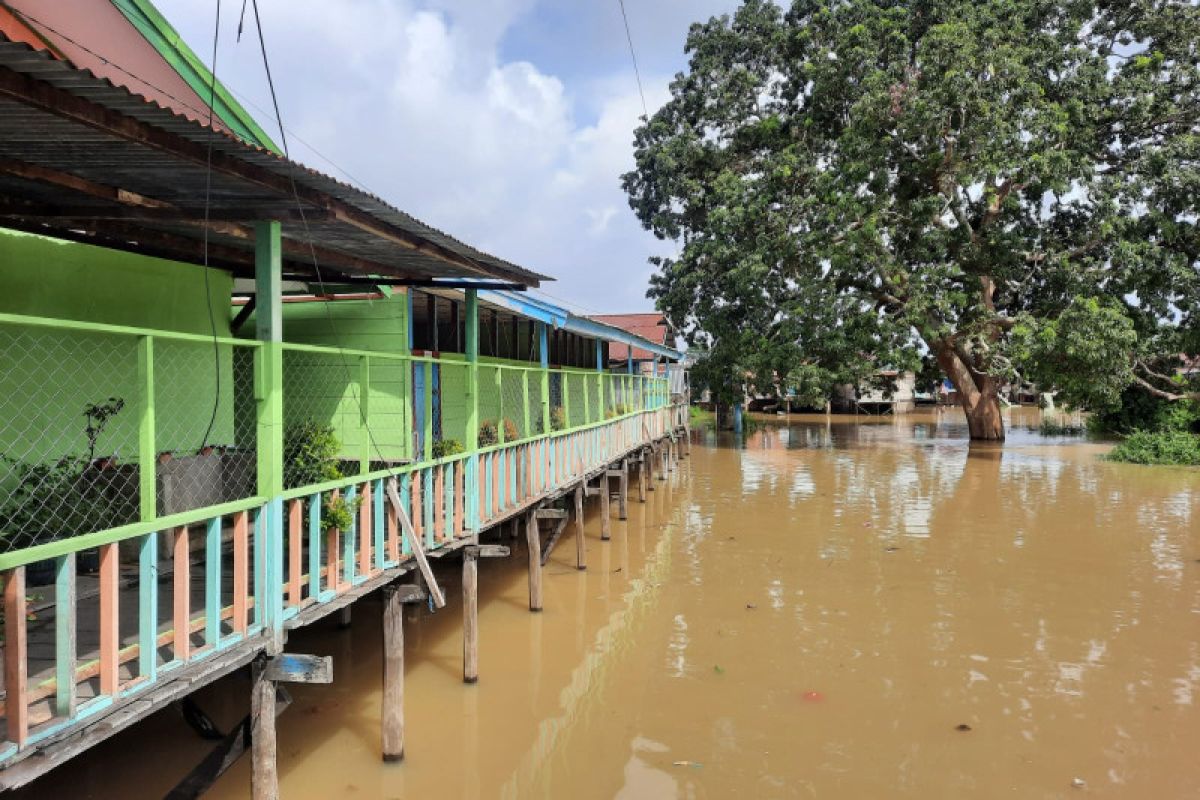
column 505, row 123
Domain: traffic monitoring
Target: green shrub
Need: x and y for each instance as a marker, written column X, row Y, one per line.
column 558, row 419
column 444, row 448
column 488, row 435
column 338, row 512
column 1052, row 427
column 1142, row 411
column 1158, row 447
column 310, row 455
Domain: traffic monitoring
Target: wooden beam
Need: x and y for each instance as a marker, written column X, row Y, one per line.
column 580, row 549
column 470, row 587
column 534, row 545
column 415, row 544
column 560, row 525
column 16, row 657
column 392, row 697
column 300, row 668
column 263, row 741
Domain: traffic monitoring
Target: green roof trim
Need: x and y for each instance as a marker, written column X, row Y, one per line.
column 166, row 40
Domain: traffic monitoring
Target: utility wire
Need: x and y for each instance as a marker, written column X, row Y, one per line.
column 636, row 73
column 212, row 320
column 427, row 446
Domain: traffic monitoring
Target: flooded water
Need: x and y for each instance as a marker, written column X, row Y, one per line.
column 827, row 609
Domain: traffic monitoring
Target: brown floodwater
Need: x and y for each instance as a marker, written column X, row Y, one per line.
column 829, row 608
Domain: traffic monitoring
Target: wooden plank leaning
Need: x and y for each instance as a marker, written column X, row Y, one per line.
column 414, row 542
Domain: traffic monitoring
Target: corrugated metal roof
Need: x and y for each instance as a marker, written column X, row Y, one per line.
column 161, row 159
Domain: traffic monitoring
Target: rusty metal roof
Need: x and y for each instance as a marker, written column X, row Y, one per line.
column 83, row 159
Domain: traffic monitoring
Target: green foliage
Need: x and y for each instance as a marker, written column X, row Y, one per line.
column 1158, row 447
column 1141, row 411
column 97, row 416
column 489, row 434
column 310, row 455
column 1052, row 427
column 558, row 419
column 444, row 448
column 337, row 513
column 1006, row 185
column 70, row 496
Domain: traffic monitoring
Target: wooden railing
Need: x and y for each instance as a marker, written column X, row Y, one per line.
column 165, row 593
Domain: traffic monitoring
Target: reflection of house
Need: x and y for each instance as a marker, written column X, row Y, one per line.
column 890, row 392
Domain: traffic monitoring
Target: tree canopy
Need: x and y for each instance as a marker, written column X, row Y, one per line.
column 1008, row 187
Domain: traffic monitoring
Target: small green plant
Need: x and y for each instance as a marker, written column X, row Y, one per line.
column 310, row 455
column 98, row 415
column 338, row 512
column 70, row 496
column 1158, row 447
column 1052, row 427
column 488, row 434
column 444, row 448
column 558, row 419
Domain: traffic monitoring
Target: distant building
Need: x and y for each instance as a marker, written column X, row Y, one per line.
column 867, row 399
column 652, row 326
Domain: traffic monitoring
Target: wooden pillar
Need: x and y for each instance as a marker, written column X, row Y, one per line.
column 623, row 489
column 534, row 544
column 515, row 528
column 580, row 548
column 265, row 770
column 470, row 587
column 393, row 675
column 642, row 475
column 345, row 617
column 605, row 500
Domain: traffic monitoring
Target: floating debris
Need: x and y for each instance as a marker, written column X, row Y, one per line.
column 751, row 606
column 813, row 697
column 717, row 668
column 962, row 727
column 686, row 763
column 1079, row 783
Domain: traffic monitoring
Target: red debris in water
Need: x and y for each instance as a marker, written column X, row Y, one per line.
column 813, row 697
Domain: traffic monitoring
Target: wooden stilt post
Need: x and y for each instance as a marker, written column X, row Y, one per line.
column 641, row 461
column 264, row 769
column 345, row 616
column 515, row 528
column 395, row 597
column 470, row 587
column 605, row 501
column 534, row 545
column 623, row 491
column 580, row 549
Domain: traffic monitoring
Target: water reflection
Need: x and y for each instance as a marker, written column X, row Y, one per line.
column 825, row 607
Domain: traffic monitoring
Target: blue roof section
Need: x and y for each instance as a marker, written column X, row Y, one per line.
column 559, row 317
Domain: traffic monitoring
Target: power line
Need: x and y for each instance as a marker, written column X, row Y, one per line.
column 636, row 73
column 212, row 320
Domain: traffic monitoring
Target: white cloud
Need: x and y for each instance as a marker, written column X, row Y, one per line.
column 416, row 100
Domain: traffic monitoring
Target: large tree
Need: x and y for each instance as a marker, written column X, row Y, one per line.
column 1006, row 186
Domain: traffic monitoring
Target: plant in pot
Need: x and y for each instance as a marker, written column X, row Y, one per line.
column 444, row 448
column 338, row 513
column 310, row 455
column 488, row 434
column 64, row 498
column 558, row 419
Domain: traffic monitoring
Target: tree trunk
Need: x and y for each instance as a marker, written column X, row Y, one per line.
column 979, row 395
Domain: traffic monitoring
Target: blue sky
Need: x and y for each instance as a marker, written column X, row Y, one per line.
column 505, row 123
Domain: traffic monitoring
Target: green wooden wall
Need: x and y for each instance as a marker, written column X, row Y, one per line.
column 47, row 377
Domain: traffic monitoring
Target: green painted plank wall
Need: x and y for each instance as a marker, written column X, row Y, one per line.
column 47, row 377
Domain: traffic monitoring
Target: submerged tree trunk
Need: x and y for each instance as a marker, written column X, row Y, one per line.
column 979, row 395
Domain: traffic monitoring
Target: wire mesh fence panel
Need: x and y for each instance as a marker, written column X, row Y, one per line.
column 536, row 424
column 451, row 405
column 575, row 399
column 323, row 436
column 69, row 454
column 558, row 418
column 205, row 424
column 591, row 387
column 490, row 405
column 512, row 400
column 389, row 411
